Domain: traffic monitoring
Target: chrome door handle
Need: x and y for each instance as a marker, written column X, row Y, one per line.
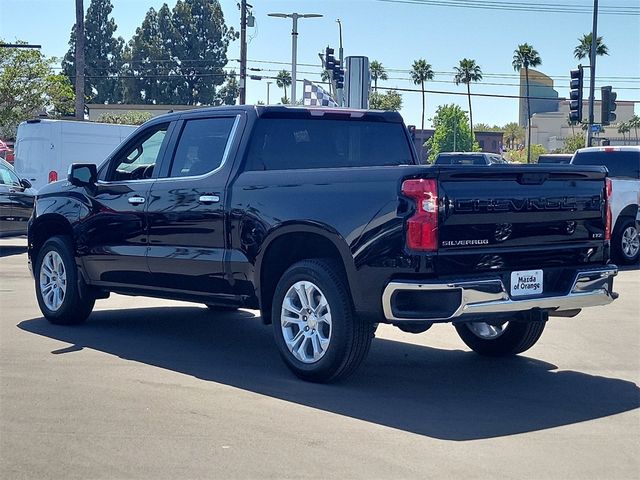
column 209, row 199
column 136, row 200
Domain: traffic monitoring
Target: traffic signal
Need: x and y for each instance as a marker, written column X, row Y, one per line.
column 329, row 59
column 575, row 95
column 338, row 75
column 609, row 105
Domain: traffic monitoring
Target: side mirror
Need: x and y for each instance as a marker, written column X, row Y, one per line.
column 25, row 183
column 82, row 174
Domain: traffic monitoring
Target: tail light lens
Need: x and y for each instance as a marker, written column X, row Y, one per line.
column 53, row 176
column 607, row 206
column 422, row 227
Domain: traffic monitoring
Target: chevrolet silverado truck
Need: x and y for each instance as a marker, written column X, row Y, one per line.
column 324, row 220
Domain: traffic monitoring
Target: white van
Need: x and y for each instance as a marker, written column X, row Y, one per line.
column 44, row 148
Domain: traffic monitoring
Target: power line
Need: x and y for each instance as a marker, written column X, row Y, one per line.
column 520, row 6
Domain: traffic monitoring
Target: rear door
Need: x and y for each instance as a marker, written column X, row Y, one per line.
column 186, row 207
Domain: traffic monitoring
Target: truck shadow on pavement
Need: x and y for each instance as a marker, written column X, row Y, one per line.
column 445, row 394
column 8, row 250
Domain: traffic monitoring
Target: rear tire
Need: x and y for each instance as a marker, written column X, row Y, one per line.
column 62, row 295
column 318, row 334
column 510, row 339
column 625, row 241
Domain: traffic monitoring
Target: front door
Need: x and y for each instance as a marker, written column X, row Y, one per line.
column 115, row 234
column 186, row 209
column 16, row 203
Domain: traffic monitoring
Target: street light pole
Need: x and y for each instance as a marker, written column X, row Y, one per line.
column 341, row 55
column 294, row 45
column 592, row 68
column 268, row 85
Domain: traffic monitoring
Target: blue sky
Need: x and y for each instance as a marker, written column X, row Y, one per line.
column 393, row 33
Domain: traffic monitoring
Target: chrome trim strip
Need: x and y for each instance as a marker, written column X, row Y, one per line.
column 590, row 288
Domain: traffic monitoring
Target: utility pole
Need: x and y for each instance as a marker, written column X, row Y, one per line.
column 243, row 52
column 268, row 85
column 592, row 66
column 79, row 60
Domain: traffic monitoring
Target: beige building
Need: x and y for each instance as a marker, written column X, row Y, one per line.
column 550, row 129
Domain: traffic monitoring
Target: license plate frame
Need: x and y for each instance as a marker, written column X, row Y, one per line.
column 526, row 283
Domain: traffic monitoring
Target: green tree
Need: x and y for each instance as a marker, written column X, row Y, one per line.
column 199, row 42
column 583, row 49
column 283, row 80
column 573, row 143
column 634, row 123
column 103, row 54
column 468, row 71
column 624, row 128
column 391, row 100
column 513, row 134
column 229, row 92
column 521, row 156
column 126, row 118
column 23, row 87
column 378, row 72
column 485, row 127
column 526, row 56
column 452, row 132
column 421, row 71
column 60, row 96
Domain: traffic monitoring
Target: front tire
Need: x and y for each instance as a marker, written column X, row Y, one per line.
column 62, row 295
column 508, row 339
column 318, row 334
column 626, row 241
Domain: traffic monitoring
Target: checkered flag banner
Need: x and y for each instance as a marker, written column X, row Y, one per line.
column 315, row 96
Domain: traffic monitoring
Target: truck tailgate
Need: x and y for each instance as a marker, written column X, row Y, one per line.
column 518, row 217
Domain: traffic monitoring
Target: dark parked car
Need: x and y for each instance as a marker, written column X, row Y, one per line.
column 325, row 221
column 16, row 202
column 555, row 158
column 469, row 158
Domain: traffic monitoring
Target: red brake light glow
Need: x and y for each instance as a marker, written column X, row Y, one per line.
column 607, row 206
column 422, row 227
column 53, row 176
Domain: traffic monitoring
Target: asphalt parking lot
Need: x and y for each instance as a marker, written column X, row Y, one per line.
column 159, row 389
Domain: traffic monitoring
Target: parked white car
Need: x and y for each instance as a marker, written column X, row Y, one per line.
column 623, row 164
column 45, row 148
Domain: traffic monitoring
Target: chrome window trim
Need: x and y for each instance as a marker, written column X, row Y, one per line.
column 225, row 154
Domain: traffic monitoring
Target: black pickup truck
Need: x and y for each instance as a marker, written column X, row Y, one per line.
column 325, row 221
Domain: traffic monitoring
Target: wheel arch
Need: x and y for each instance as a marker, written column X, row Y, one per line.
column 630, row 211
column 290, row 244
column 45, row 227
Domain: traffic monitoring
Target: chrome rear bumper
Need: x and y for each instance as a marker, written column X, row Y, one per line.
column 482, row 297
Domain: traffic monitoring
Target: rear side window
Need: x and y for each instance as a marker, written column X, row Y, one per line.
column 201, row 146
column 625, row 164
column 284, row 144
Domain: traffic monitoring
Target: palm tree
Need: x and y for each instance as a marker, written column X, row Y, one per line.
column 526, row 56
column 283, row 80
column 377, row 72
column 466, row 72
column 634, row 123
column 583, row 49
column 421, row 71
column 512, row 133
column 624, row 128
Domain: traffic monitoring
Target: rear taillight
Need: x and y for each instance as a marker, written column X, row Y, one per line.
column 53, row 176
column 607, row 206
column 422, row 227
